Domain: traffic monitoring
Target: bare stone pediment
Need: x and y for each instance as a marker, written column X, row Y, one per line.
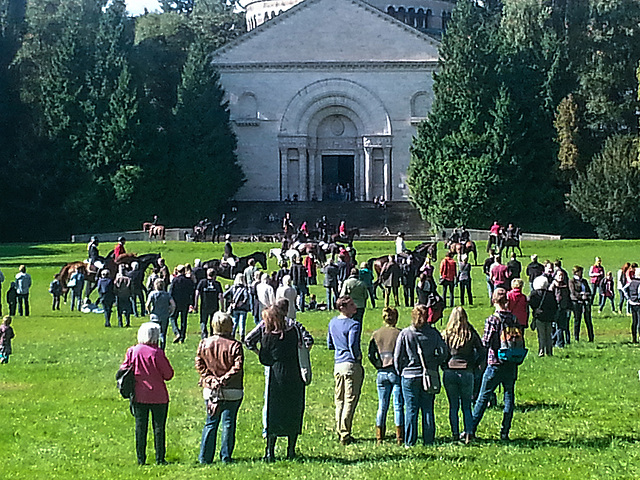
column 330, row 31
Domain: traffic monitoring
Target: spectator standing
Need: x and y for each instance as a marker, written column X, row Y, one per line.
column 209, row 292
column 265, row 294
column 238, row 297
column 199, row 272
column 514, row 267
column 122, row 290
column 497, row 372
column 287, row 291
column 12, row 299
column 518, row 302
column 285, row 389
column 366, row 276
column 464, row 279
column 76, row 285
column 1, row 280
column 137, row 289
column 545, row 309
column 182, row 292
column 344, row 268
column 357, row 290
column 632, row 292
column 448, row 274
column 312, row 269
column 534, row 269
column 331, row 283
column 581, row 298
column 499, row 275
column 299, row 282
column 344, row 337
column 220, row 363
column 621, row 281
column 55, row 289
column 23, row 284
column 486, row 269
column 607, row 286
column 408, row 279
column 107, row 296
column 151, row 370
column 6, row 335
column 596, row 275
column 465, row 349
column 390, row 276
column 418, row 347
column 160, row 305
column 381, row 346
column 560, row 289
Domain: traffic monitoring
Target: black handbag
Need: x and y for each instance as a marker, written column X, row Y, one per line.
column 126, row 382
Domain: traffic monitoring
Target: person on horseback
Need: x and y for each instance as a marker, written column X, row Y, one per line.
column 304, row 228
column 342, row 230
column 455, row 237
column 94, row 259
column 228, row 256
column 400, row 246
column 465, row 236
column 323, row 227
column 119, row 248
column 287, row 225
column 155, row 220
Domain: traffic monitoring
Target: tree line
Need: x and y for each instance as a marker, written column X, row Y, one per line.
column 106, row 120
column 535, row 119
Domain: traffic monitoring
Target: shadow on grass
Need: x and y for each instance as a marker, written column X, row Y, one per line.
column 533, row 406
column 24, row 250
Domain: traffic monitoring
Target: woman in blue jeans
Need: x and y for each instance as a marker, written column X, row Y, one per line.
column 466, row 348
column 383, row 341
column 219, row 362
column 418, row 346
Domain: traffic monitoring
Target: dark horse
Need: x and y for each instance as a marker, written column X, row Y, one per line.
column 469, row 247
column 418, row 256
column 354, row 232
column 225, row 270
column 511, row 242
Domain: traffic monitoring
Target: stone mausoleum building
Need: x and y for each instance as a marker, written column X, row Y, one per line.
column 329, row 92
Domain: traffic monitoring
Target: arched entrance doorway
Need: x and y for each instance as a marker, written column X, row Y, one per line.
column 335, row 144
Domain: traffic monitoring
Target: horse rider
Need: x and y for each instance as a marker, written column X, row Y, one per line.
column 342, row 230
column 401, row 248
column 94, row 259
column 465, row 236
column 119, row 248
column 323, row 226
column 155, row 220
column 511, row 232
column 287, row 225
column 304, row 228
column 494, row 233
column 228, row 255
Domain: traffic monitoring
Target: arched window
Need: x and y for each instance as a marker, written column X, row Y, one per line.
column 391, row 11
column 266, row 16
column 247, row 107
column 411, row 17
column 446, row 18
column 401, row 15
column 420, row 105
column 428, row 21
column 420, row 19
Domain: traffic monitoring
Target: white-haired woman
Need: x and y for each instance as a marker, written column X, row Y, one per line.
column 240, row 304
column 151, row 370
column 542, row 302
column 219, row 362
column 287, row 291
column 160, row 306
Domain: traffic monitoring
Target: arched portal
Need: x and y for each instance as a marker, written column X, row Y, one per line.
column 335, row 143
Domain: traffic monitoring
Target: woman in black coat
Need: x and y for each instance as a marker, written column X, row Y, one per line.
column 285, row 391
column 544, row 307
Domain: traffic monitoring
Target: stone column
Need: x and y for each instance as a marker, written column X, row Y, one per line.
column 284, row 173
column 304, row 178
column 388, row 181
column 312, row 173
column 368, row 173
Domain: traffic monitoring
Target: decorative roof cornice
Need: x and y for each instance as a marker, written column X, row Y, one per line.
column 306, row 4
column 342, row 66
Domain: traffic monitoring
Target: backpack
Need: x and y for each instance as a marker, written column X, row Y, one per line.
column 512, row 349
column 126, row 382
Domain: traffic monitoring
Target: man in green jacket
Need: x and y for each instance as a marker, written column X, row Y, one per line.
column 358, row 291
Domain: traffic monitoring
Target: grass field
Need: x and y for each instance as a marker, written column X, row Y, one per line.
column 577, row 413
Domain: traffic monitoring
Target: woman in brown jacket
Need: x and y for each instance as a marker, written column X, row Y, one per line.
column 219, row 362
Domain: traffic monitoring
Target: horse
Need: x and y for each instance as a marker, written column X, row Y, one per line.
column 354, row 232
column 155, row 231
column 225, row 270
column 511, row 242
column 418, row 256
column 289, row 255
column 312, row 247
column 200, row 232
column 469, row 247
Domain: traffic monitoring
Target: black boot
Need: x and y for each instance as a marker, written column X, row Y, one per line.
column 269, row 452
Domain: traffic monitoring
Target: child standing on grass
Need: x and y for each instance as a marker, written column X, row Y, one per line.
column 55, row 289
column 6, row 334
column 12, row 298
column 607, row 293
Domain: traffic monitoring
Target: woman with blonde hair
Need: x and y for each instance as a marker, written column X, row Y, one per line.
column 466, row 348
column 418, row 347
column 383, row 341
column 285, row 387
column 219, row 362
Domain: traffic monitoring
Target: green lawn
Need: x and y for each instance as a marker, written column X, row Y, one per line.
column 61, row 417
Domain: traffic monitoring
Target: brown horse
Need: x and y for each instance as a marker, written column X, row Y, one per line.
column 156, row 232
column 419, row 254
column 468, row 248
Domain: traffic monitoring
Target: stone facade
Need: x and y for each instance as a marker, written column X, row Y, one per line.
column 329, row 92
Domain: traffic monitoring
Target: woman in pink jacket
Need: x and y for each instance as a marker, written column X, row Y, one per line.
column 151, row 369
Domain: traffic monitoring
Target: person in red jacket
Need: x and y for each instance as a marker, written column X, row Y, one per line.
column 448, row 275
column 518, row 302
column 119, row 248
